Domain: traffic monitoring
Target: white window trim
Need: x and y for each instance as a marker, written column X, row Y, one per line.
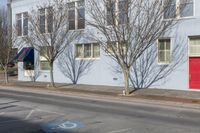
column 76, row 15
column 46, row 21
column 42, row 58
column 116, row 13
column 189, row 38
column 164, row 63
column 92, row 52
column 22, row 23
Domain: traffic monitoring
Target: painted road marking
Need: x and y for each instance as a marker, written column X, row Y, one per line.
column 121, row 130
column 68, row 125
column 29, row 114
column 61, row 126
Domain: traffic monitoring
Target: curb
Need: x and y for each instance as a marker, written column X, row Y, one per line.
column 105, row 98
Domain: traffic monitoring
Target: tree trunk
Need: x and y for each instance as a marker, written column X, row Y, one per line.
column 51, row 75
column 126, row 80
column 6, row 74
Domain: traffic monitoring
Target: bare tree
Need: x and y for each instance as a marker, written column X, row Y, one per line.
column 74, row 68
column 146, row 72
column 7, row 51
column 127, row 28
column 49, row 33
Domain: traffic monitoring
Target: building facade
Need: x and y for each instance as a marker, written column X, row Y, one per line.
column 185, row 77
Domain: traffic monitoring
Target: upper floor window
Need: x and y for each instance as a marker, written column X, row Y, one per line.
column 179, row 8
column 186, row 8
column 111, row 12
column 76, row 15
column 117, row 11
column 164, row 51
column 22, row 24
column 46, row 20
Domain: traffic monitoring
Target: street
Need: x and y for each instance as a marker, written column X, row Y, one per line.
column 27, row 112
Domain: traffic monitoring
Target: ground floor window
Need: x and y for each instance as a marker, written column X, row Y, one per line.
column 164, row 51
column 28, row 65
column 89, row 50
column 44, row 63
column 194, row 46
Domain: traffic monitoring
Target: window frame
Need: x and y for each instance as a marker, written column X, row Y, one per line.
column 165, row 56
column 189, row 45
column 22, row 21
column 91, row 52
column 178, row 11
column 76, row 8
column 117, row 11
column 41, row 58
column 46, row 19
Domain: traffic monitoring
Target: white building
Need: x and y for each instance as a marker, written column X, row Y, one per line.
column 186, row 76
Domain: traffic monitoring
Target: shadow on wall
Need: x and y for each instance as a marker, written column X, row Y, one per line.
column 15, row 125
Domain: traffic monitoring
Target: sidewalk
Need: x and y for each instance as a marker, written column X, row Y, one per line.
column 153, row 95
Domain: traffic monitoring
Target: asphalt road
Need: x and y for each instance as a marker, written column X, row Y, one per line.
column 26, row 112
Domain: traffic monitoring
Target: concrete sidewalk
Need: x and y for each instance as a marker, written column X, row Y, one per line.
column 155, row 95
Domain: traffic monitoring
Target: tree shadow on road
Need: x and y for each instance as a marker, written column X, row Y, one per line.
column 16, row 125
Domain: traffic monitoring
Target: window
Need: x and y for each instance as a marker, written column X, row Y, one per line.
column 46, row 20
column 76, row 15
column 71, row 15
column 19, row 24
column 194, row 46
column 164, row 51
column 87, row 50
column 186, row 8
column 96, row 50
column 44, row 63
column 50, row 19
column 179, row 9
column 123, row 11
column 42, row 20
column 90, row 50
column 111, row 11
column 28, row 65
column 170, row 11
column 22, row 24
column 81, row 15
column 117, row 11
column 79, row 50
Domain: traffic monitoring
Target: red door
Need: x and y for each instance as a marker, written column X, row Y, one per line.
column 194, row 77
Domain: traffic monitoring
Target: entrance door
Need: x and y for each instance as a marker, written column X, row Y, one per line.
column 194, row 75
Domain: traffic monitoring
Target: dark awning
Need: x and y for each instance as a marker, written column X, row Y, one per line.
column 25, row 55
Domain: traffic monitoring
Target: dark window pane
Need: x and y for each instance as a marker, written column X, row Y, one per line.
column 25, row 24
column 71, row 15
column 123, row 11
column 87, row 50
column 50, row 20
column 42, row 20
column 71, row 25
column 110, row 8
column 96, row 50
column 170, row 11
column 186, row 10
column 81, row 18
column 79, row 50
column 19, row 27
